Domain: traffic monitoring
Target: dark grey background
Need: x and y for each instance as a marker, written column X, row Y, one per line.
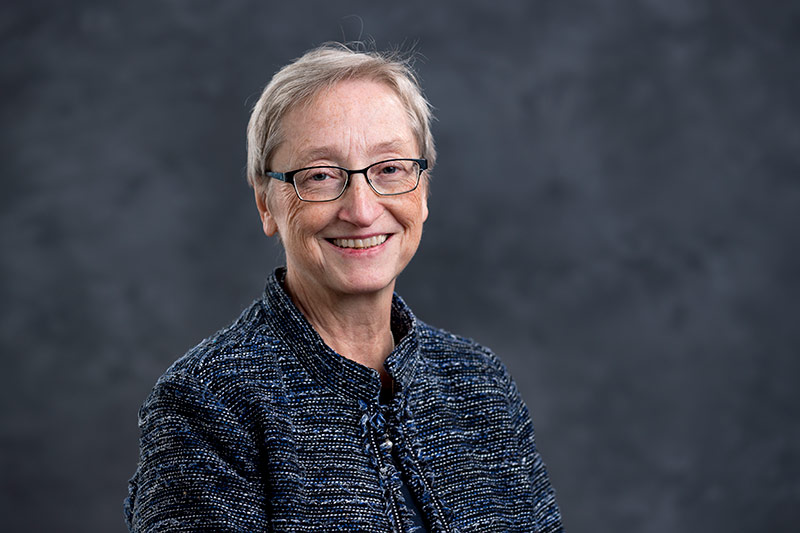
column 615, row 213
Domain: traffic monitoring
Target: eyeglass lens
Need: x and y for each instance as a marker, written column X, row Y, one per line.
column 386, row 177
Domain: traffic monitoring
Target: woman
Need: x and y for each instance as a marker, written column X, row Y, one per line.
column 327, row 405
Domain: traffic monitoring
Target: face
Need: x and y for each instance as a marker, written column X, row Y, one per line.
column 352, row 125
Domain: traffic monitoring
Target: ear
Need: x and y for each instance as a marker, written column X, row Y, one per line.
column 425, row 201
column 267, row 220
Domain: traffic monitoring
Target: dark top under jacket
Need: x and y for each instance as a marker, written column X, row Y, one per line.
column 264, row 428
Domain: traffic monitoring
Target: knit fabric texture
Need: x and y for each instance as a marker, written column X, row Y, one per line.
column 263, row 427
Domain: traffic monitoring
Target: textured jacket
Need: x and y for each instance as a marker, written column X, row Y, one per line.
column 263, row 427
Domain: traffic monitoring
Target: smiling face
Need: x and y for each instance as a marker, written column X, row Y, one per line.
column 359, row 243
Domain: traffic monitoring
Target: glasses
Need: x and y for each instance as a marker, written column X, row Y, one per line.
column 325, row 184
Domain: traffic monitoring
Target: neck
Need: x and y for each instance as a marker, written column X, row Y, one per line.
column 356, row 326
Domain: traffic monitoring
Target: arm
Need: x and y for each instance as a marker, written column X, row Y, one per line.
column 198, row 465
column 546, row 512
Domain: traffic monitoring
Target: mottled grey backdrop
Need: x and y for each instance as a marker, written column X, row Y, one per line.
column 615, row 212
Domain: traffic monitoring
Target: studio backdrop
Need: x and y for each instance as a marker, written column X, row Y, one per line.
column 614, row 212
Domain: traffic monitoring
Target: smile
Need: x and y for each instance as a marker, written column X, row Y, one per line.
column 360, row 243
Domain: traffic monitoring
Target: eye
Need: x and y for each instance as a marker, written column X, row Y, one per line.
column 389, row 168
column 318, row 176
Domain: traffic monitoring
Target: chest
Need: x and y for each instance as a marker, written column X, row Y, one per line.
column 331, row 463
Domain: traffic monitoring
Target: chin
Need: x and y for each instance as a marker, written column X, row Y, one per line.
column 367, row 284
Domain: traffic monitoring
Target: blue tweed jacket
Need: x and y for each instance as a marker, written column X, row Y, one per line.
column 264, row 428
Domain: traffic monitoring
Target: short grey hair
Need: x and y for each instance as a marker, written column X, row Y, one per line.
column 318, row 69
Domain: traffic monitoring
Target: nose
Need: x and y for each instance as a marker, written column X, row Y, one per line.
column 359, row 204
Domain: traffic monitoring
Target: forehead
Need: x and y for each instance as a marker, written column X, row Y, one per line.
column 351, row 116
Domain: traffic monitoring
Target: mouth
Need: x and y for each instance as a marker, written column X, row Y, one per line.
column 360, row 244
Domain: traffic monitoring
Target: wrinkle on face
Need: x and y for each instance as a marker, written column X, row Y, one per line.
column 353, row 125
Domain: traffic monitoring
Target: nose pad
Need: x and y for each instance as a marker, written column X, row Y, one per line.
column 362, row 183
column 360, row 202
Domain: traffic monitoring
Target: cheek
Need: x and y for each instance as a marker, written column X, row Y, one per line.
column 302, row 222
column 415, row 211
column 287, row 209
column 294, row 219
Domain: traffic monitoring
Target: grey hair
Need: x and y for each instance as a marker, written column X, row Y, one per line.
column 318, row 69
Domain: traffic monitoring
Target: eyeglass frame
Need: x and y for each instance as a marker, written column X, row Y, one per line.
column 288, row 177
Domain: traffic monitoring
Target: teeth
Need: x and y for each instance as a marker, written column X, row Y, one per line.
column 360, row 243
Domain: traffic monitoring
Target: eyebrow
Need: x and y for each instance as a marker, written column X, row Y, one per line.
column 329, row 152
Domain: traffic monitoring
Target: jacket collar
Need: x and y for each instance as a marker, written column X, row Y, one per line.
column 344, row 376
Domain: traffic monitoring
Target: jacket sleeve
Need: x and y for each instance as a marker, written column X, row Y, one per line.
column 546, row 512
column 198, row 465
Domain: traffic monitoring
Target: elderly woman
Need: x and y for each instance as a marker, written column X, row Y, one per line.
column 327, row 406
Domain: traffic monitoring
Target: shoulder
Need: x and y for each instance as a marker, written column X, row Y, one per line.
column 457, row 354
column 246, row 343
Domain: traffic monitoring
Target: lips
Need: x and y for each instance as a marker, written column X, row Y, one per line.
column 369, row 242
